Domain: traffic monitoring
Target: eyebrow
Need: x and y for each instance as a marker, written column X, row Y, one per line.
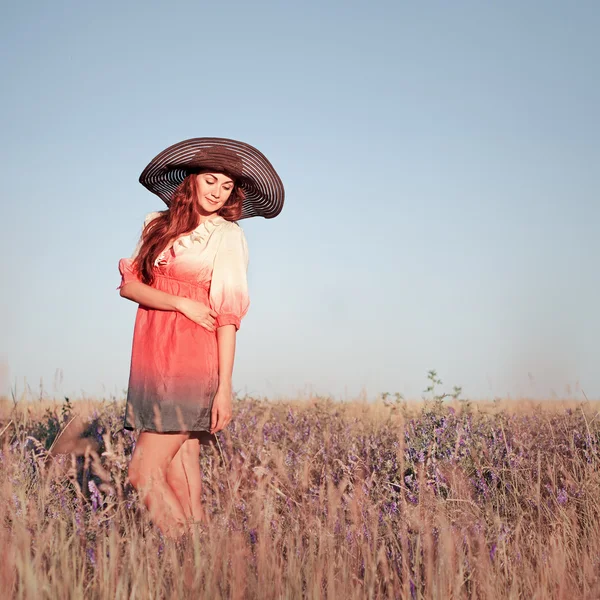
column 215, row 177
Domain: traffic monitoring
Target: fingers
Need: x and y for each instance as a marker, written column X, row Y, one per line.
column 223, row 422
column 208, row 326
column 213, row 419
column 204, row 316
column 219, row 420
column 219, row 424
column 208, row 323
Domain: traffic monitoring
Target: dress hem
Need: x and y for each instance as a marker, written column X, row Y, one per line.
column 206, row 440
column 136, row 428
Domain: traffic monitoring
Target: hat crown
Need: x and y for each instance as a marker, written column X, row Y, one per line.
column 218, row 158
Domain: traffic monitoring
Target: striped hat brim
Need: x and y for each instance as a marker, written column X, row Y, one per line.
column 263, row 189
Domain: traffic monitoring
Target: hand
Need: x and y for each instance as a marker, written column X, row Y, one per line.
column 221, row 409
column 199, row 313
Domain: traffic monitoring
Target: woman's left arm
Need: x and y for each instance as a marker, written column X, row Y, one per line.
column 229, row 299
column 222, row 404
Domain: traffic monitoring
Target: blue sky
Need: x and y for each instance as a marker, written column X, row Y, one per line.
column 442, row 188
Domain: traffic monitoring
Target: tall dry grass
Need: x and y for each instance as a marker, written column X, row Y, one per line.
column 313, row 499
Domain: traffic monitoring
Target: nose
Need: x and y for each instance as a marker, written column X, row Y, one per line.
column 216, row 191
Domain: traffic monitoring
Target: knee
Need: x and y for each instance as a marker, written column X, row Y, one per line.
column 141, row 476
column 176, row 476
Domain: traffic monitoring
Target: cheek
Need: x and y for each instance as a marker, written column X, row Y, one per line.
column 201, row 189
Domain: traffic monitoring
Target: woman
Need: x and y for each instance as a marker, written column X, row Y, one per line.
column 188, row 275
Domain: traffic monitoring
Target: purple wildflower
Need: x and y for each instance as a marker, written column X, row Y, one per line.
column 253, row 536
column 17, row 503
column 95, row 495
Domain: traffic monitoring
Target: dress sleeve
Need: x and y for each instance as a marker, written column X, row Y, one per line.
column 229, row 284
column 128, row 273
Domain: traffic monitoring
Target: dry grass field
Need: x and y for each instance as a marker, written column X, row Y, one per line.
column 312, row 499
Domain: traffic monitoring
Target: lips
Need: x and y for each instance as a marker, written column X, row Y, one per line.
column 211, row 201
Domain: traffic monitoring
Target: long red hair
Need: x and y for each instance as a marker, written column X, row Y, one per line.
column 180, row 218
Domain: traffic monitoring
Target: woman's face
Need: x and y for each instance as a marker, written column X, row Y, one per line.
column 214, row 190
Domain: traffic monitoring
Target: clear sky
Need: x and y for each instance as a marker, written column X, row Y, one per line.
column 442, row 170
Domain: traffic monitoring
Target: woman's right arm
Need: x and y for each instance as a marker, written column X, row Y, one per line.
column 152, row 298
column 133, row 289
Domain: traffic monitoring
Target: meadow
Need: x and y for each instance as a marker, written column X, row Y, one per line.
column 442, row 498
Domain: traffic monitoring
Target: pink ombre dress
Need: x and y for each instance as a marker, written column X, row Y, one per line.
column 174, row 362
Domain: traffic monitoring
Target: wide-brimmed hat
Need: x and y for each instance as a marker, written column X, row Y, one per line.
column 263, row 189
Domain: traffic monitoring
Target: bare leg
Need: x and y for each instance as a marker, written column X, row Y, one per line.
column 148, row 474
column 183, row 476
